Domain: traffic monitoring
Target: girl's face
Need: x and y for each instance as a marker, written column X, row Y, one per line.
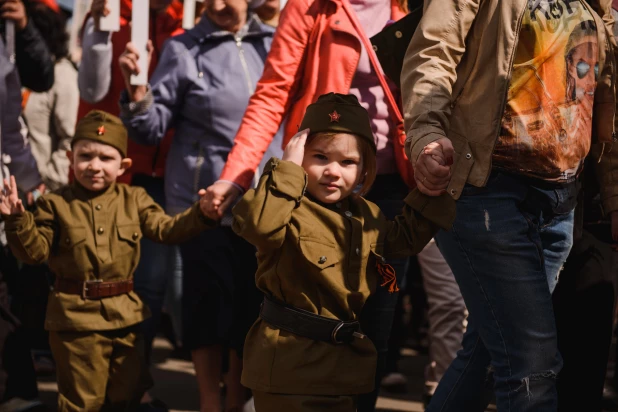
column 229, row 15
column 333, row 165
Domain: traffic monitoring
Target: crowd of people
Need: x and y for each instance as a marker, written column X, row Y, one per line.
column 271, row 198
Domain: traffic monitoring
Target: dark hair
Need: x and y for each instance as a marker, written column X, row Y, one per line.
column 52, row 27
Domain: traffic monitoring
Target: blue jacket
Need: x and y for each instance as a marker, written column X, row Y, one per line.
column 200, row 88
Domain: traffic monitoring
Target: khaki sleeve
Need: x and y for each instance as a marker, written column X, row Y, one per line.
column 30, row 236
column 421, row 218
column 159, row 227
column 262, row 215
column 429, row 70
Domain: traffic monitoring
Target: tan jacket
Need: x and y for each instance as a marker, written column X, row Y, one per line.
column 455, row 78
column 88, row 236
column 321, row 258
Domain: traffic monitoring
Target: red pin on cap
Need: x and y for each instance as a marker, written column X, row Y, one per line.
column 101, row 130
column 334, row 116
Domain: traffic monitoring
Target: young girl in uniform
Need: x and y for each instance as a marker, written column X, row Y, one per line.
column 322, row 251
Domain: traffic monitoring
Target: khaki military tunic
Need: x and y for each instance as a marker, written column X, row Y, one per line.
column 322, row 258
column 89, row 236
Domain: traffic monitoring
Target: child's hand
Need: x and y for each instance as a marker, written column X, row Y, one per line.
column 295, row 150
column 205, row 205
column 10, row 204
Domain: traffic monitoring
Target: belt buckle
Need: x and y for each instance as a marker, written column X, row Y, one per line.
column 85, row 286
column 336, row 329
column 333, row 335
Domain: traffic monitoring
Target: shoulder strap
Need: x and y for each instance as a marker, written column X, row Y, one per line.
column 397, row 117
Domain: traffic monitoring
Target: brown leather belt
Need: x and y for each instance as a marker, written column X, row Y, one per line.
column 93, row 289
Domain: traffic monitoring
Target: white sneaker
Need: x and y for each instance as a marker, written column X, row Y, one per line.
column 249, row 406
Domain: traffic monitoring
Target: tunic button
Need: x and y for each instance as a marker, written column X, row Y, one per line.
column 398, row 34
column 348, row 213
column 67, row 241
column 98, row 207
column 135, row 236
column 322, row 259
column 468, row 156
column 338, row 205
column 100, row 231
column 453, row 191
column 357, row 251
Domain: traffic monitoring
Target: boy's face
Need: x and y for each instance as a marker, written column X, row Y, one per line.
column 333, row 166
column 96, row 165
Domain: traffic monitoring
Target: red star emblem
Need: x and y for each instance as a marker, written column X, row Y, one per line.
column 101, row 130
column 334, row 116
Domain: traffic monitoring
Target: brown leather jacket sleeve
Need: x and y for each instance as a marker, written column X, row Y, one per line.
column 429, row 70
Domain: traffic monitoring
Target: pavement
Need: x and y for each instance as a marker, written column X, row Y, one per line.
column 175, row 383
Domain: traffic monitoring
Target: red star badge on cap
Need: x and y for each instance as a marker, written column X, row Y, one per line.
column 101, row 130
column 334, row 116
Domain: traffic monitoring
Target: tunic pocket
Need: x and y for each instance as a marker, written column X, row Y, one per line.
column 318, row 252
column 72, row 236
column 130, row 233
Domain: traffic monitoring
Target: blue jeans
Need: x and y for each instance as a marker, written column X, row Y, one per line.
column 506, row 249
column 151, row 274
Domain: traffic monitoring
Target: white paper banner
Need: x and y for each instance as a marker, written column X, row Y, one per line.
column 139, row 38
column 111, row 22
column 188, row 14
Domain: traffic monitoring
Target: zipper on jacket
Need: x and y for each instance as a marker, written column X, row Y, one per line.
column 506, row 95
column 198, row 168
column 243, row 63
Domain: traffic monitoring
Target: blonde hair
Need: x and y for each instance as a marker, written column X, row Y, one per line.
column 368, row 158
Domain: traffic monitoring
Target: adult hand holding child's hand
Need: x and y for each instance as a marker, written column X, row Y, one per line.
column 432, row 169
column 295, row 150
column 10, row 204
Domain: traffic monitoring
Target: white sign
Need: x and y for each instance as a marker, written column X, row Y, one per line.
column 139, row 38
column 111, row 22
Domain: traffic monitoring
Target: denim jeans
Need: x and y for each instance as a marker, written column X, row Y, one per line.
column 506, row 249
column 151, row 274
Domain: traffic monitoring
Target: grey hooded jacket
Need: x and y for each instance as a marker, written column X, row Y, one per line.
column 200, row 88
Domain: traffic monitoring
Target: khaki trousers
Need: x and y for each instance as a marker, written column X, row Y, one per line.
column 100, row 370
column 274, row 402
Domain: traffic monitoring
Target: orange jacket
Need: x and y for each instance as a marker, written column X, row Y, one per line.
column 149, row 160
column 315, row 50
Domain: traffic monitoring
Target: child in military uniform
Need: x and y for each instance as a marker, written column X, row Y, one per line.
column 89, row 232
column 322, row 250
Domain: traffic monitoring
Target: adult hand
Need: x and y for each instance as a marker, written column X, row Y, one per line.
column 295, row 150
column 10, row 204
column 432, row 169
column 14, row 10
column 98, row 9
column 217, row 199
column 128, row 62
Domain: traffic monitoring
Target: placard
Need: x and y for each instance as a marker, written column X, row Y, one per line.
column 111, row 22
column 139, row 38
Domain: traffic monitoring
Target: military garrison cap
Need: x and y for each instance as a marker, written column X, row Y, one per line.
column 339, row 113
column 102, row 127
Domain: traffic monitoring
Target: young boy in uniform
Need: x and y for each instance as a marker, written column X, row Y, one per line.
column 89, row 232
